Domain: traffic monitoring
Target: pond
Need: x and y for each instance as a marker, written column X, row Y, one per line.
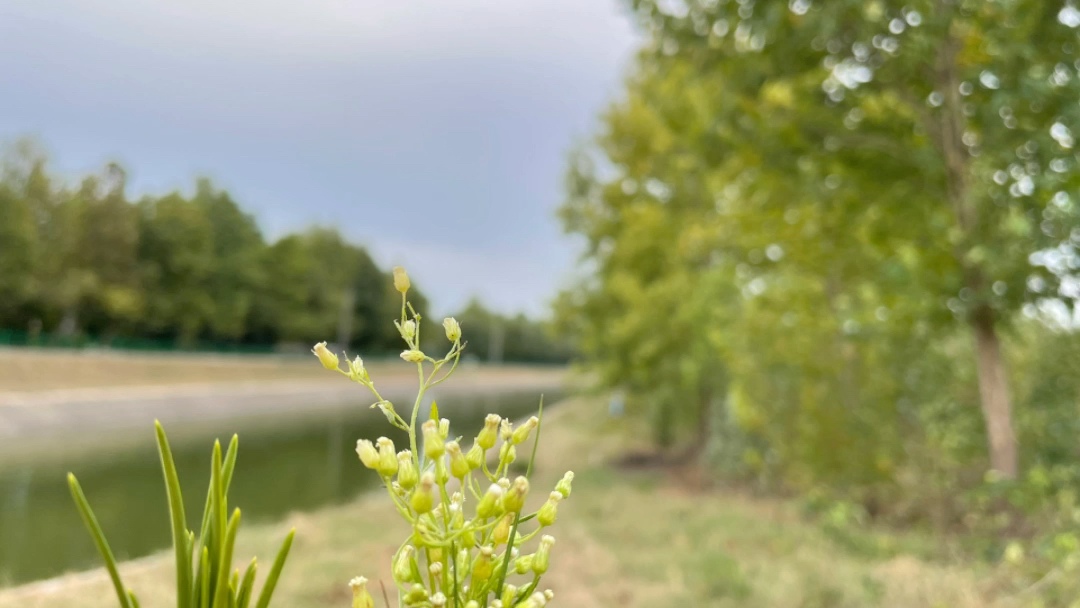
column 293, row 466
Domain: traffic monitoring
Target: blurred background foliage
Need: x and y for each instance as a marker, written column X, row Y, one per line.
column 830, row 247
column 88, row 265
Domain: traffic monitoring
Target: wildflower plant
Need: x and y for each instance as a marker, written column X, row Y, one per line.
column 468, row 539
column 204, row 574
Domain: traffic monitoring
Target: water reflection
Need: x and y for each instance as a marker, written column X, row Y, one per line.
column 282, row 468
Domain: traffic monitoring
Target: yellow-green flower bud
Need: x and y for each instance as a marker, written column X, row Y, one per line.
column 459, row 467
column 401, row 279
column 368, row 454
column 506, row 430
column 490, row 432
column 540, row 558
column 514, row 499
column 536, row 600
column 475, row 456
column 489, row 505
column 408, row 330
column 423, row 497
column 327, row 358
column 563, row 487
column 416, row 595
column 388, row 461
column 407, row 474
column 504, row 482
column 483, row 566
column 361, row 598
column 357, row 371
column 404, row 568
column 495, row 604
column 509, row 591
column 547, row 513
column 472, row 604
column 453, row 329
column 438, row 600
column 549, row 594
column 433, row 442
column 412, row 356
column 523, row 564
column 522, row 432
column 502, row 529
column 507, row 453
column 435, row 569
column 441, row 474
column 444, row 428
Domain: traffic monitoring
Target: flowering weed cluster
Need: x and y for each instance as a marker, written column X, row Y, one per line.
column 467, row 545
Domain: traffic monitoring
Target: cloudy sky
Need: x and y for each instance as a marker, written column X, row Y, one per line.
column 434, row 132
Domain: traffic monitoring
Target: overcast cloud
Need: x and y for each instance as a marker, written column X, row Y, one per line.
column 434, row 132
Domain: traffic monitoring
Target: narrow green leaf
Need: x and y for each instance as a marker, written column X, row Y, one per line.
column 275, row 572
column 99, row 539
column 204, row 592
column 218, row 516
column 179, row 522
column 134, row 600
column 230, row 462
column 243, row 594
column 222, row 591
column 434, row 411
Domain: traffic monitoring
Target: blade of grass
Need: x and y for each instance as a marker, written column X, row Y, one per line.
column 218, row 518
column 230, row 462
column 99, row 539
column 179, row 522
column 221, row 593
column 243, row 594
column 517, row 518
column 134, row 600
column 204, row 592
column 275, row 571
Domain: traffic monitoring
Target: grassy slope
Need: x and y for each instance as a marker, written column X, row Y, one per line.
column 624, row 539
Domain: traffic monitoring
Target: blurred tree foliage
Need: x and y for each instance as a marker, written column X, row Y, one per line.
column 189, row 269
column 496, row 337
column 820, row 234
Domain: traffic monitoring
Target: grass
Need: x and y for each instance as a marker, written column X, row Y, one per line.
column 643, row 538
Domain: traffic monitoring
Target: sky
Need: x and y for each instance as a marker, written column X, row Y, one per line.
column 433, row 132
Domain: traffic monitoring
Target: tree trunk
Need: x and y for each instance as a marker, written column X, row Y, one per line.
column 994, row 394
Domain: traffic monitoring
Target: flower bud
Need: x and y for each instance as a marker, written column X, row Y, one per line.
column 472, row 604
column 547, row 513
column 563, row 487
column 540, row 558
column 357, row 371
column 489, row 502
column 495, row 604
column 475, row 456
column 483, row 566
column 549, row 594
column 444, row 428
column 506, row 430
column 502, row 529
column 523, row 564
column 423, row 497
column 514, row 499
column 458, row 466
column 509, row 591
column 388, row 461
column 412, row 356
column 416, row 595
column 490, row 432
column 536, row 600
column 453, row 329
column 368, row 454
column 507, row 453
column 361, row 598
column 435, row 569
column 401, row 279
column 438, row 600
column 522, row 432
column 387, row 409
column 327, row 358
column 404, row 568
column 408, row 330
column 407, row 474
column 441, row 474
column 433, row 442
column 504, row 483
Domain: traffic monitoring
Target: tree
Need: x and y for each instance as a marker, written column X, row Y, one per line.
column 932, row 130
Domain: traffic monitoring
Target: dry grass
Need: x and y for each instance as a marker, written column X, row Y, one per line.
column 29, row 370
column 637, row 539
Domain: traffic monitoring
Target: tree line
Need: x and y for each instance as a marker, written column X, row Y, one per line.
column 88, row 261
column 833, row 244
